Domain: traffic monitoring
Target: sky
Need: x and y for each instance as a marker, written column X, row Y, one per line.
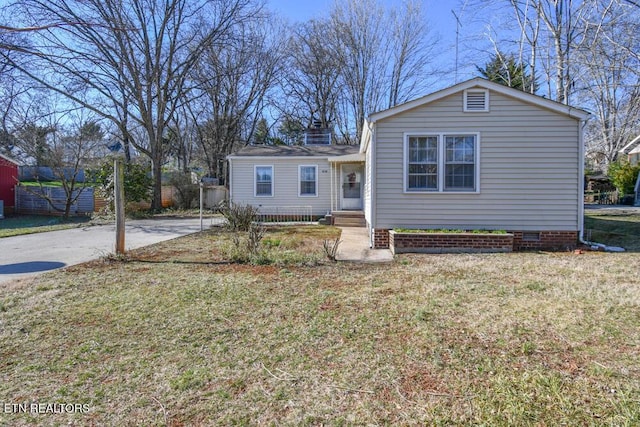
column 440, row 18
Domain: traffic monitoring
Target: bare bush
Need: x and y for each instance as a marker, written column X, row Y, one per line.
column 239, row 217
column 331, row 248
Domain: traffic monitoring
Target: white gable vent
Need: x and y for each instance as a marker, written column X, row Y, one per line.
column 476, row 100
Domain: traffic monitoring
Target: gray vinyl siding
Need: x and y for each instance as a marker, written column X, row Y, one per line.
column 529, row 167
column 285, row 185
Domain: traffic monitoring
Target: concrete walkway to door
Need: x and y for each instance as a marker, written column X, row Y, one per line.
column 354, row 246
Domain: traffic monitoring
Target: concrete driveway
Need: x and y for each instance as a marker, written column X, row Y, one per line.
column 22, row 256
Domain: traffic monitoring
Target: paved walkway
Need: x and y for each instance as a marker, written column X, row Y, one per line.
column 354, row 246
column 31, row 254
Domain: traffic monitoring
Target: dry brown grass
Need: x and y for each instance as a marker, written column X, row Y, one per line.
column 175, row 336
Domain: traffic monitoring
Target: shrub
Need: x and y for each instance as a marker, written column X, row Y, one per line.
column 245, row 246
column 624, row 175
column 239, row 217
column 331, row 248
column 250, row 248
column 187, row 193
column 137, row 182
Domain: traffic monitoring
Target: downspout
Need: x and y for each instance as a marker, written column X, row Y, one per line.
column 581, row 126
column 372, row 190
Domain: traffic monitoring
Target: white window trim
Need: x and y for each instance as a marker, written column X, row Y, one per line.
column 486, row 100
column 441, row 161
column 255, row 181
column 300, row 181
column 405, row 156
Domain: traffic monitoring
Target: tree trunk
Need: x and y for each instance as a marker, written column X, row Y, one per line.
column 156, row 171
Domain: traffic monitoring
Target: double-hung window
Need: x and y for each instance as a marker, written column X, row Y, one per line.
column 308, row 181
column 423, row 163
column 442, row 162
column 264, row 181
column 460, row 163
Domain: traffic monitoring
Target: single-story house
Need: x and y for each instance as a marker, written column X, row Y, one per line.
column 475, row 156
column 288, row 178
column 8, row 180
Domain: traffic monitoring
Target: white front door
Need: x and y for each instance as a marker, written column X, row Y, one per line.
column 351, row 191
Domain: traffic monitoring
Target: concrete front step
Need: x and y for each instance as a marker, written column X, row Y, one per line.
column 348, row 219
column 349, row 222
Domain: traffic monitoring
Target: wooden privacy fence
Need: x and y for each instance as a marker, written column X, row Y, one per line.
column 32, row 204
column 88, row 202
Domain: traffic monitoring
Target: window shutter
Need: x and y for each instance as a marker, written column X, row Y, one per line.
column 476, row 100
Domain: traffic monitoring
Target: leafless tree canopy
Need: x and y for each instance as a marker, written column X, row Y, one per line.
column 585, row 53
column 362, row 58
column 183, row 83
column 126, row 60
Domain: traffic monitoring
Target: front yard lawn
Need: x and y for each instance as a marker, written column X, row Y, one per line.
column 616, row 228
column 175, row 335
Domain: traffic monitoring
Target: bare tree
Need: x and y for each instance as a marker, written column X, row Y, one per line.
column 361, row 43
column 529, row 21
column 550, row 30
column 610, row 81
column 126, row 60
column 383, row 55
column 230, row 87
column 412, row 47
column 61, row 154
column 312, row 80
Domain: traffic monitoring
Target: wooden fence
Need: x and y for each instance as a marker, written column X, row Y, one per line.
column 32, row 204
column 88, row 202
column 601, row 197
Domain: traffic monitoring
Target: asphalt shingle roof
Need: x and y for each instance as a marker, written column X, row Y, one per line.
column 296, row 150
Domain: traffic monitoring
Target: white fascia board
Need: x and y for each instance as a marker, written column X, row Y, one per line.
column 486, row 84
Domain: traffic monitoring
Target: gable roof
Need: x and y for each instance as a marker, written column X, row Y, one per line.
column 485, row 84
column 9, row 159
column 295, row 151
column 632, row 147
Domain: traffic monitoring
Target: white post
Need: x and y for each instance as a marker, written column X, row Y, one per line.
column 332, row 184
column 201, row 205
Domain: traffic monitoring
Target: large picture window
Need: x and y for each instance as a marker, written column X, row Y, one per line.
column 264, row 181
column 443, row 162
column 308, row 180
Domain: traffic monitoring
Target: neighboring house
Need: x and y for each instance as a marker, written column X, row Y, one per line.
column 474, row 156
column 632, row 151
column 8, row 180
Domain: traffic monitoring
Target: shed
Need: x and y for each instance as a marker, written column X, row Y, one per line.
column 8, row 180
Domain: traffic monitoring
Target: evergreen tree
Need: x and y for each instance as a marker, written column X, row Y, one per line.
column 504, row 69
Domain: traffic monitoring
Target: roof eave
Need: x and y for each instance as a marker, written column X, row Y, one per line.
column 573, row 112
column 630, row 146
column 9, row 159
